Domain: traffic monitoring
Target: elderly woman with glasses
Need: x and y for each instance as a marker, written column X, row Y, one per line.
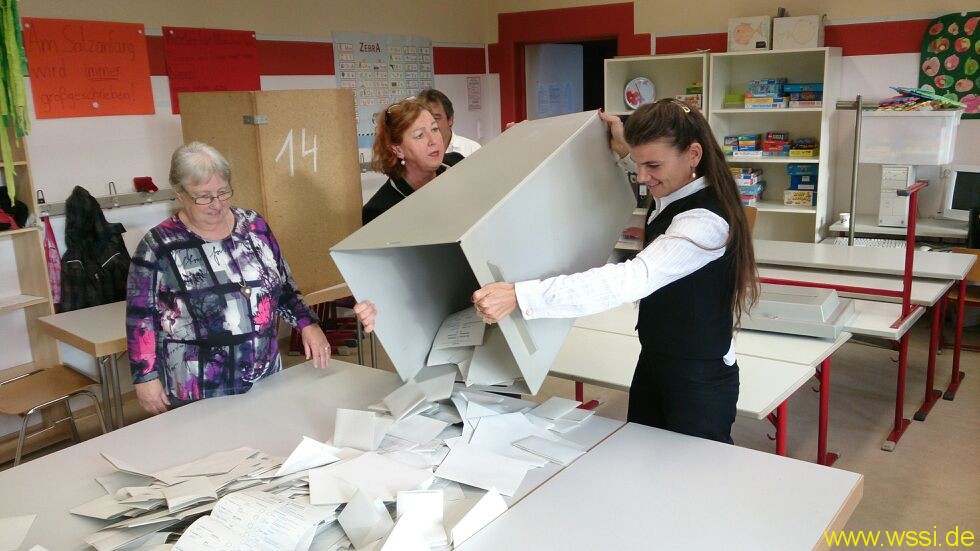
column 206, row 290
column 409, row 148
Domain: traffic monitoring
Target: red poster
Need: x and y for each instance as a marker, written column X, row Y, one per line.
column 207, row 60
column 87, row 68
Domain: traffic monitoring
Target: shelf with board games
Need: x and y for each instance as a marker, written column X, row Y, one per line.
column 790, row 146
column 735, row 159
column 773, row 206
column 786, row 111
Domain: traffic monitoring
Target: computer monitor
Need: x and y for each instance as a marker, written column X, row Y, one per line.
column 961, row 192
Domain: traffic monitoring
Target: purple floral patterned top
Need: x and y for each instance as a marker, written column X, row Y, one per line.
column 203, row 315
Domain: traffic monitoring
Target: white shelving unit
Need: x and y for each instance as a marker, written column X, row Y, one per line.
column 25, row 294
column 730, row 72
column 670, row 75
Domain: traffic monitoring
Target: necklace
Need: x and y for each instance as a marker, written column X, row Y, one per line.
column 242, row 285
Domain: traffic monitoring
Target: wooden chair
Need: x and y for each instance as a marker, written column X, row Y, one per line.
column 972, row 294
column 750, row 213
column 31, row 392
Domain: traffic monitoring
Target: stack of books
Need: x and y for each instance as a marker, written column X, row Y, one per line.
column 766, row 94
column 802, row 185
column 808, row 94
column 750, row 184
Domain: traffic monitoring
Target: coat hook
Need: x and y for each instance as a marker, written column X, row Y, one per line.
column 114, row 193
column 42, row 208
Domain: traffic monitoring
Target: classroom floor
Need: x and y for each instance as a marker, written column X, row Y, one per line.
column 930, row 482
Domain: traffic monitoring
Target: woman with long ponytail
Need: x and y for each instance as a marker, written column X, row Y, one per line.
column 694, row 277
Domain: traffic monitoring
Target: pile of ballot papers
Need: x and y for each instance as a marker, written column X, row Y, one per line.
column 424, row 469
column 466, row 342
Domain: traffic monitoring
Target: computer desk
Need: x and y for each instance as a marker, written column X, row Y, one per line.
column 602, row 350
column 646, row 488
column 273, row 417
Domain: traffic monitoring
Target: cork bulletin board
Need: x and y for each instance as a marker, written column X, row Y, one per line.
column 296, row 164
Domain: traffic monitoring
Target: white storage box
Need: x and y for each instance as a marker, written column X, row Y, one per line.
column 790, row 33
column 909, row 138
column 543, row 198
column 799, row 311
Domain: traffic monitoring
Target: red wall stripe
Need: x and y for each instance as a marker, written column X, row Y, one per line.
column 715, row 42
column 458, row 61
column 887, row 37
column 281, row 57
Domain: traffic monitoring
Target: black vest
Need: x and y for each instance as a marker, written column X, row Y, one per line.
column 691, row 317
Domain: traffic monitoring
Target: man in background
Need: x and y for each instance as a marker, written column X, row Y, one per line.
column 442, row 110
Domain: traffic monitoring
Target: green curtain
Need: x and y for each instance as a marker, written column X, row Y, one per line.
column 13, row 100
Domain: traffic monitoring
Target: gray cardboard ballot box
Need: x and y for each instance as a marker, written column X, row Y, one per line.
column 807, row 311
column 544, row 198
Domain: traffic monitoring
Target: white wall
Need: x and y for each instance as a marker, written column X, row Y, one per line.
column 553, row 79
column 871, row 76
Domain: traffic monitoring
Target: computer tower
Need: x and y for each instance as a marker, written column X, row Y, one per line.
column 893, row 210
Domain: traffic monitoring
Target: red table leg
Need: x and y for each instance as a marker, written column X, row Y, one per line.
column 823, row 456
column 957, row 375
column 932, row 394
column 778, row 420
column 580, row 397
column 900, row 422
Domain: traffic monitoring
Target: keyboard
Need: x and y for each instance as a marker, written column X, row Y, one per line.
column 871, row 242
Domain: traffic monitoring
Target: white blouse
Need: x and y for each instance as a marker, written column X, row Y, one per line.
column 693, row 239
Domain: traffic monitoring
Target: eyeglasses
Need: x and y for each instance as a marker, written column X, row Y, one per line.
column 395, row 106
column 223, row 196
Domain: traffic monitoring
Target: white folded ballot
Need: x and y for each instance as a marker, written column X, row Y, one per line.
column 562, row 453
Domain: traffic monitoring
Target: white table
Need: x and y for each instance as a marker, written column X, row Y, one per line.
column 273, row 417
column 823, row 263
column 925, row 291
column 602, row 350
column 873, row 260
column 101, row 332
column 924, row 227
column 682, row 494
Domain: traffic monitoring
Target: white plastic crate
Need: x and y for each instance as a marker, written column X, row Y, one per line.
column 909, row 137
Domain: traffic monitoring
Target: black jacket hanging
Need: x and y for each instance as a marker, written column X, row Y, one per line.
column 95, row 265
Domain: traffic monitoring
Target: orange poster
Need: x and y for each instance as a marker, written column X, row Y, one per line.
column 87, row 68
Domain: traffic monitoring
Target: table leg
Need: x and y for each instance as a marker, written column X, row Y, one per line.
column 900, row 422
column 823, row 456
column 104, row 384
column 932, row 394
column 580, row 397
column 778, row 420
column 957, row 375
column 116, row 392
column 360, row 344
